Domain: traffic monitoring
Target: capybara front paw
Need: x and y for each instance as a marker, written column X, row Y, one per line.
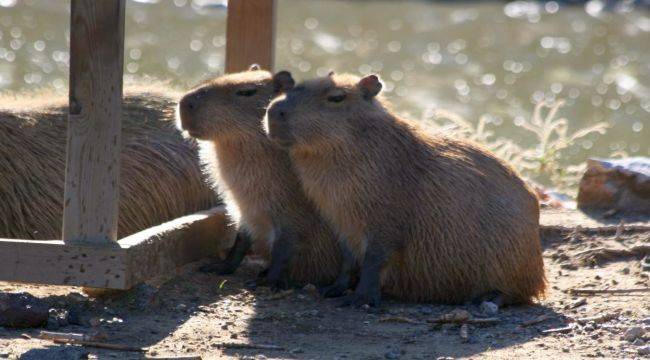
column 359, row 299
column 334, row 290
column 278, row 282
column 219, row 268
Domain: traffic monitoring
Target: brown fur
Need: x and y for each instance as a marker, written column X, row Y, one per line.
column 255, row 177
column 460, row 222
column 160, row 176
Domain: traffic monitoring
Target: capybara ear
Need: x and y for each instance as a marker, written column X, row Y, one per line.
column 370, row 86
column 283, row 81
column 254, row 67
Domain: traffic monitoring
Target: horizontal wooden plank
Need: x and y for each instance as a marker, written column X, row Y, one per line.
column 55, row 263
column 155, row 252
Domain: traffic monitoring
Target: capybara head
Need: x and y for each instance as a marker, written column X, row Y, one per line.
column 230, row 105
column 322, row 110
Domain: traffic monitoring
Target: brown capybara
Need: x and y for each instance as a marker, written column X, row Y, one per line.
column 160, row 175
column 261, row 191
column 429, row 218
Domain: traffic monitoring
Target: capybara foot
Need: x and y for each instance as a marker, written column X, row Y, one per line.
column 278, row 283
column 334, row 290
column 363, row 297
column 219, row 268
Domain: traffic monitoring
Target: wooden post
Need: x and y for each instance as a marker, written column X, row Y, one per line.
column 250, row 34
column 94, row 122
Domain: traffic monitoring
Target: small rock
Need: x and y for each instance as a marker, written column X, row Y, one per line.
column 22, row 310
column 644, row 350
column 633, row 333
column 489, row 308
column 426, row 310
column 296, row 351
column 393, row 354
column 309, row 288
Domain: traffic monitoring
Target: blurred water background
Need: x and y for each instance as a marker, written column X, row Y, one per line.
column 491, row 60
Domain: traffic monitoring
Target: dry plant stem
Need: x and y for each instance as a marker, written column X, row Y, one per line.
column 609, row 291
column 250, row 346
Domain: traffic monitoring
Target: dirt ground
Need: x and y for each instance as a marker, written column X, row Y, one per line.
column 206, row 315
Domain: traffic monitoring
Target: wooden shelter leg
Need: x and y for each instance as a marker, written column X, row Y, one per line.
column 94, row 122
column 250, row 34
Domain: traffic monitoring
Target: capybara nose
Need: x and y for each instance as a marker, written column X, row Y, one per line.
column 187, row 107
column 189, row 102
column 278, row 113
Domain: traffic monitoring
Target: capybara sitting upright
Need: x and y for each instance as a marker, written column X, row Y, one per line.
column 429, row 218
column 261, row 190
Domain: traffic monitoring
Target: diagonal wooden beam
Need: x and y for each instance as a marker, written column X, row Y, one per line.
column 94, row 122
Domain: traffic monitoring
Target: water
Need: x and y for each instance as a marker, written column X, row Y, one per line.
column 473, row 58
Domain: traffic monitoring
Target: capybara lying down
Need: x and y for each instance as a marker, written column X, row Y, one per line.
column 255, row 177
column 160, row 174
column 429, row 218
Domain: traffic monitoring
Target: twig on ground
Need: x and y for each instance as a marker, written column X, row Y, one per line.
column 597, row 319
column 50, row 335
column 562, row 330
column 250, row 346
column 605, row 254
column 466, row 321
column 575, row 304
column 608, row 291
column 399, row 319
column 536, row 320
column 101, row 345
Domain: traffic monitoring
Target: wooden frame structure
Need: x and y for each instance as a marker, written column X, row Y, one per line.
column 89, row 253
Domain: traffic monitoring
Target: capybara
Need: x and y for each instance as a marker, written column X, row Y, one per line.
column 261, row 191
column 429, row 218
column 160, row 175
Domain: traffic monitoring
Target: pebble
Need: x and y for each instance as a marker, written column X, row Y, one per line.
column 644, row 350
column 393, row 354
column 489, row 308
column 633, row 333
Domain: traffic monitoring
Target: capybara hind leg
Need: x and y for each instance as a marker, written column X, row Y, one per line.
column 242, row 245
column 277, row 277
column 348, row 268
column 368, row 290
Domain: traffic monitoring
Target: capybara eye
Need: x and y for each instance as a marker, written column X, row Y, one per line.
column 336, row 98
column 246, row 92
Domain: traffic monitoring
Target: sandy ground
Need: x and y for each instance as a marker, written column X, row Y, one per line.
column 207, row 315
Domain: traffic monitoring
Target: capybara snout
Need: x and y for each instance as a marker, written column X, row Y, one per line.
column 276, row 123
